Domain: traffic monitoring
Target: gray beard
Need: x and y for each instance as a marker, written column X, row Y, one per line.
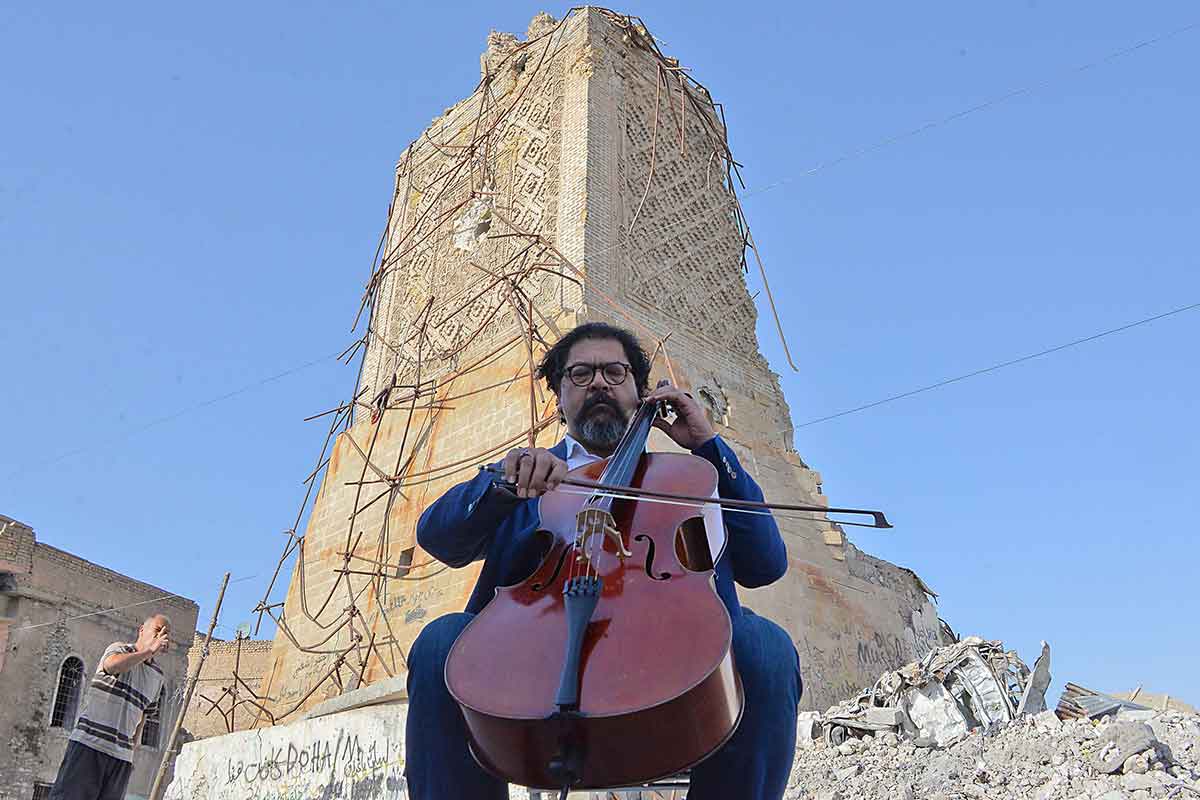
column 601, row 432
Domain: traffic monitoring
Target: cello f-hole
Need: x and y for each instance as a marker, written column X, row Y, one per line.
column 662, row 576
column 540, row 585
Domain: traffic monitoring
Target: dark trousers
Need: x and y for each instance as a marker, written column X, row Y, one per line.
column 87, row 774
column 753, row 765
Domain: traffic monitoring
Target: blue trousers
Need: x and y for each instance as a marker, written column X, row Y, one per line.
column 753, row 765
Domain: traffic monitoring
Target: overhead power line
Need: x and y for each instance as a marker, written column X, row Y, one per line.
column 994, row 101
column 174, row 415
column 116, row 608
column 1001, row 365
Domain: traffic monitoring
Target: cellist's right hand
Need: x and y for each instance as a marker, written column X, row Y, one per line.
column 535, row 470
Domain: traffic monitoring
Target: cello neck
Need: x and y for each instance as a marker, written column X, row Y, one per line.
column 624, row 461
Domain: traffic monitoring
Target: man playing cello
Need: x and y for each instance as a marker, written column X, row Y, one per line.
column 599, row 374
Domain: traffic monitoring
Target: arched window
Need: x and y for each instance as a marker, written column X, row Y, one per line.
column 66, row 699
column 150, row 726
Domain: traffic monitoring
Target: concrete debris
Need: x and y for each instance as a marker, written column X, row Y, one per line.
column 955, row 689
column 1034, row 698
column 1047, row 720
column 1121, row 746
column 808, row 728
column 970, row 721
column 1027, row 756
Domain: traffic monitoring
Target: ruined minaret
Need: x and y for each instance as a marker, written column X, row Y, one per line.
column 587, row 177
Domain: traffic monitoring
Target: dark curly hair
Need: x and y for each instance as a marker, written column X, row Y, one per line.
column 555, row 361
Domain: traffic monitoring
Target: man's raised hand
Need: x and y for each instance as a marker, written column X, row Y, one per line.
column 535, row 470
column 160, row 645
column 691, row 427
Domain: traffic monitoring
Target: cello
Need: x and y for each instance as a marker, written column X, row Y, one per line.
column 611, row 665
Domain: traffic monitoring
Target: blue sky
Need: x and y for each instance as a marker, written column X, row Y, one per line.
column 190, row 198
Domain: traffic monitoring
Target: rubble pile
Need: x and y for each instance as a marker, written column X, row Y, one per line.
column 969, row 721
column 1037, row 757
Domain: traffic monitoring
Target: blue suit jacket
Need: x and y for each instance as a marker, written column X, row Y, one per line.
column 474, row 520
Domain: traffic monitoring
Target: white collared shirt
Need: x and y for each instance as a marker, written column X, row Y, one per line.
column 577, row 454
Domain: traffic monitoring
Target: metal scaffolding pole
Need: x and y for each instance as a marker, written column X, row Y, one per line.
column 158, row 788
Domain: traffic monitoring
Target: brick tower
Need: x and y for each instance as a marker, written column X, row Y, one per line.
column 586, row 178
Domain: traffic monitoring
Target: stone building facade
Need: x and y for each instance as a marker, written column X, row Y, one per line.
column 249, row 659
column 601, row 192
column 55, row 624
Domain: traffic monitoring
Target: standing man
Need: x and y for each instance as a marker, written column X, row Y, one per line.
column 600, row 374
column 99, row 755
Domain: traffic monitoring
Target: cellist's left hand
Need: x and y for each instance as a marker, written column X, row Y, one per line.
column 691, row 427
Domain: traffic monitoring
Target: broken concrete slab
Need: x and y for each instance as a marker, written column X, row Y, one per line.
column 1119, row 742
column 891, row 717
column 808, row 728
column 1033, row 700
column 392, row 690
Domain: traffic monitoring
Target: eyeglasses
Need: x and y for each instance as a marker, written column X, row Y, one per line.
column 614, row 373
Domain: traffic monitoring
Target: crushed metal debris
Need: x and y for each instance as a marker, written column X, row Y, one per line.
column 954, row 689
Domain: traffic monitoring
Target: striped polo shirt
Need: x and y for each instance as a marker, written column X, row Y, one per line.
column 114, row 705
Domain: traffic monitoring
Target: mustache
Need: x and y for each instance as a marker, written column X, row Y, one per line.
column 596, row 401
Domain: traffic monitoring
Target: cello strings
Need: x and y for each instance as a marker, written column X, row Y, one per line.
column 620, row 469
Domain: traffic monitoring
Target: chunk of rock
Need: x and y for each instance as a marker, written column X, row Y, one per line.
column 848, row 772
column 1047, row 720
column 808, row 729
column 884, row 716
column 1139, row 782
column 1137, row 764
column 1120, row 741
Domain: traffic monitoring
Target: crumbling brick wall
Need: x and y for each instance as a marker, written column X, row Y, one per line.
column 49, row 601
column 252, row 658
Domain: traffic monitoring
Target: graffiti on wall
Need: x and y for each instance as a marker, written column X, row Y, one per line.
column 340, row 764
column 415, row 604
column 344, row 755
column 302, row 675
column 836, row 663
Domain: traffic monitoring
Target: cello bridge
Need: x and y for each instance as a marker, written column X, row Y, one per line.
column 593, row 522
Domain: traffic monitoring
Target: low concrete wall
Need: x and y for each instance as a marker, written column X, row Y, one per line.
column 354, row 754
